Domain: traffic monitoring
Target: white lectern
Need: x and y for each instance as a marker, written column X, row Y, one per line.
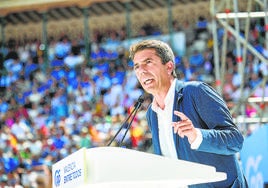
column 114, row 167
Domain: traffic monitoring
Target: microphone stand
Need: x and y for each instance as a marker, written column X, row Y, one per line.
column 128, row 126
column 132, row 114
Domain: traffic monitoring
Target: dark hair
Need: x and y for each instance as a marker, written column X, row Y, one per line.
column 161, row 48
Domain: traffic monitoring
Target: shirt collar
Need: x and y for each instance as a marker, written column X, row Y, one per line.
column 168, row 99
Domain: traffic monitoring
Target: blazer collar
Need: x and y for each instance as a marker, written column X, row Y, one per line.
column 177, row 100
column 178, row 94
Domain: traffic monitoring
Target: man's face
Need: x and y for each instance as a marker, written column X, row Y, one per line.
column 153, row 75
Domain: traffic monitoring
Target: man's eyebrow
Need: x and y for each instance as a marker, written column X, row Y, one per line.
column 143, row 61
column 148, row 58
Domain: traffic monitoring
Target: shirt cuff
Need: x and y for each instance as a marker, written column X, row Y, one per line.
column 196, row 143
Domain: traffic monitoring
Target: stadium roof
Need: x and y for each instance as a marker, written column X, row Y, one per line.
column 30, row 11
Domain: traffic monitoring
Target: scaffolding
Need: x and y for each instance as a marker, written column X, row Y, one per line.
column 227, row 15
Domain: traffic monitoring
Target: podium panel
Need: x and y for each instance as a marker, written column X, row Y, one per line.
column 114, row 167
column 254, row 155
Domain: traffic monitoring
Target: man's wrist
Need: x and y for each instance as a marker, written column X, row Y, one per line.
column 198, row 140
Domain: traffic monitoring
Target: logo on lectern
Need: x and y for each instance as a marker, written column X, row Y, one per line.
column 57, row 178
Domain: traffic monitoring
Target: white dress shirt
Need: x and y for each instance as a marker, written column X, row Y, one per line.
column 167, row 144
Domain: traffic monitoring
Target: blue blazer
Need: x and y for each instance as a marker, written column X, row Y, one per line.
column 221, row 137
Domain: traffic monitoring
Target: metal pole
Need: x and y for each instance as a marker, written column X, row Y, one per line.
column 266, row 46
column 266, row 23
column 2, row 34
column 44, row 39
column 128, row 20
column 86, row 34
column 238, row 45
column 245, row 49
column 170, row 18
column 243, row 63
column 224, row 49
column 215, row 48
column 262, row 104
column 223, row 58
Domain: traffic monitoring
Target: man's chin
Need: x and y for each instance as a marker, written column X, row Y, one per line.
column 148, row 89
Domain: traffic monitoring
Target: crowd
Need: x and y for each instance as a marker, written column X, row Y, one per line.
column 50, row 110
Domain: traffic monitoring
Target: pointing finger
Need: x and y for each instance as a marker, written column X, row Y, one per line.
column 181, row 115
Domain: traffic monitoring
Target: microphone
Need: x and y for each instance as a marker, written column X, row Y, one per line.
column 132, row 114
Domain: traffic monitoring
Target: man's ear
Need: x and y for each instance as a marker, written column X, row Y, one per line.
column 170, row 67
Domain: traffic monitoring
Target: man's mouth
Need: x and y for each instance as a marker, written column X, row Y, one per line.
column 147, row 81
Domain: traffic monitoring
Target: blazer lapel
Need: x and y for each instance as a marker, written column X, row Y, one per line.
column 177, row 100
column 155, row 134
